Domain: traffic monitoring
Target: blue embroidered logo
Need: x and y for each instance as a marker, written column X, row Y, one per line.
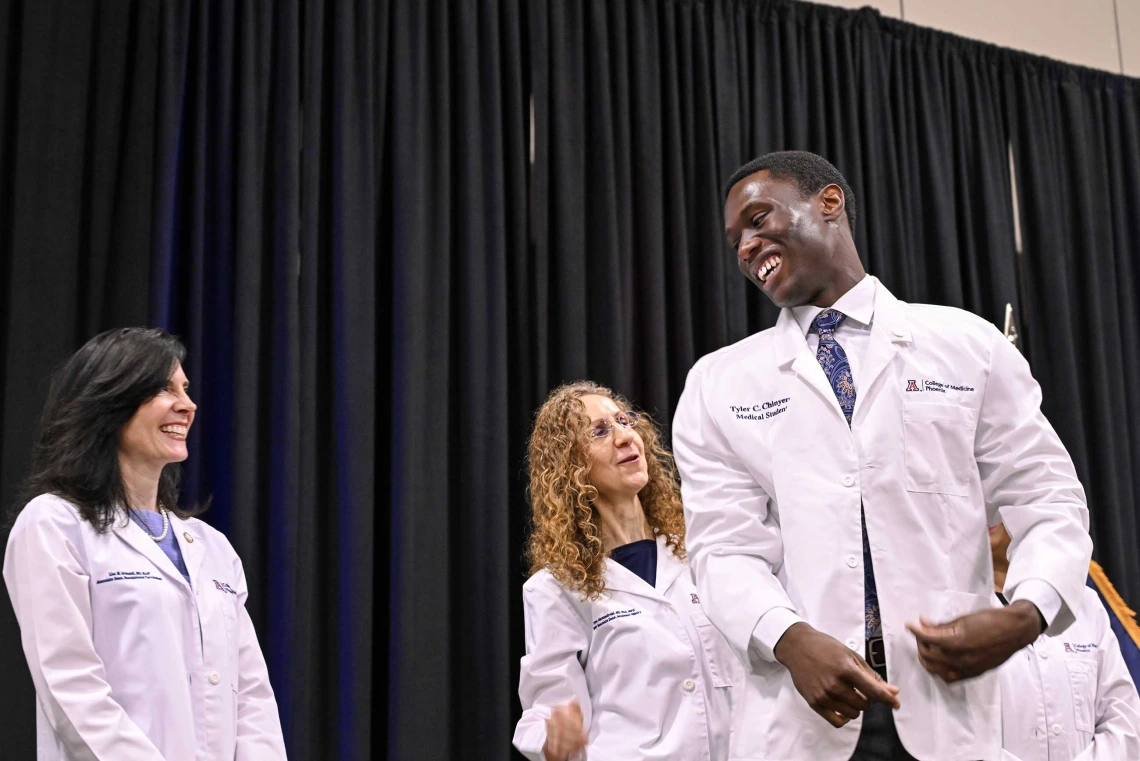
column 224, row 587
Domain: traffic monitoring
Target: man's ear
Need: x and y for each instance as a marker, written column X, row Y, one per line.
column 832, row 203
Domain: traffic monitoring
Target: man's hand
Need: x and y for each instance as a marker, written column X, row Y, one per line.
column 564, row 735
column 837, row 683
column 977, row 642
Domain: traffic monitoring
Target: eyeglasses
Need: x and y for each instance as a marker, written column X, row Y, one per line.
column 604, row 428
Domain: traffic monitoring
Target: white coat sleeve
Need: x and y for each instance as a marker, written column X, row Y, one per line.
column 1029, row 480
column 48, row 585
column 550, row 673
column 1117, row 722
column 732, row 535
column 258, row 736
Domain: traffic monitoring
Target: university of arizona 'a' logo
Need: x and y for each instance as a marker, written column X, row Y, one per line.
column 696, row 600
column 912, row 386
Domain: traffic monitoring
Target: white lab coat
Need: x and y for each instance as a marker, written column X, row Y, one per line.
column 1071, row 697
column 772, row 480
column 129, row 662
column 651, row 673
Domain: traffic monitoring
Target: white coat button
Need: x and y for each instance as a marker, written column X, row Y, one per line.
column 689, row 685
column 215, row 677
column 848, row 480
column 852, row 561
column 897, row 333
column 1043, row 654
column 1056, row 729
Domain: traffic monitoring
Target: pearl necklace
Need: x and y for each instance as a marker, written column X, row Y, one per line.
column 165, row 525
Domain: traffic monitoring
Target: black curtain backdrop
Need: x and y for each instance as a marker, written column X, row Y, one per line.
column 326, row 201
column 380, row 270
column 1075, row 135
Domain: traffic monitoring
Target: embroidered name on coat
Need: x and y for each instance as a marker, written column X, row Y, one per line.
column 599, row 622
column 762, row 410
column 128, row 576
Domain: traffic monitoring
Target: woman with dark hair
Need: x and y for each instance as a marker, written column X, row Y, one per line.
column 621, row 662
column 131, row 611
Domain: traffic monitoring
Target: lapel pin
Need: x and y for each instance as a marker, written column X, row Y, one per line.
column 187, row 537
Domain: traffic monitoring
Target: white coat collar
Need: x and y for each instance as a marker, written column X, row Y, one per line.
column 142, row 543
column 621, row 579
column 190, row 539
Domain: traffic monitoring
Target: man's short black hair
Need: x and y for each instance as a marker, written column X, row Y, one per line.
column 810, row 173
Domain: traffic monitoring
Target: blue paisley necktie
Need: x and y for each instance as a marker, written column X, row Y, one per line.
column 837, row 368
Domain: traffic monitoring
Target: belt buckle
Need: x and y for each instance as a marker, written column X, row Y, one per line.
column 876, row 653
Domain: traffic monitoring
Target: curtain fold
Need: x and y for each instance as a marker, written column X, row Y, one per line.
column 458, row 189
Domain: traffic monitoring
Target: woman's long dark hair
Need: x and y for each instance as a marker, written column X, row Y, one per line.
column 92, row 396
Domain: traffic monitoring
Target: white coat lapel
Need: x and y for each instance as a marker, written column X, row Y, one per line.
column 621, row 579
column 668, row 567
column 889, row 331
column 133, row 534
column 792, row 350
column 192, row 546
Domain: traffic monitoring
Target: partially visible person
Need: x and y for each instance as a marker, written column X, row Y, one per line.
column 132, row 612
column 1069, row 697
column 1121, row 618
column 621, row 662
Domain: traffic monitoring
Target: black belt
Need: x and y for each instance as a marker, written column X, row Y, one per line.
column 876, row 655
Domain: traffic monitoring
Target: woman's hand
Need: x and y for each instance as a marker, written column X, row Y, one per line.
column 564, row 735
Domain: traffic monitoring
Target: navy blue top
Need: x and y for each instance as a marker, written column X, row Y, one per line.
column 639, row 557
column 152, row 524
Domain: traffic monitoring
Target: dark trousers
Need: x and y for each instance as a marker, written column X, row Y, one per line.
column 878, row 740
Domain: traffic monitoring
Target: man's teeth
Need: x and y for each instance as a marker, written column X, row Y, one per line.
column 766, row 268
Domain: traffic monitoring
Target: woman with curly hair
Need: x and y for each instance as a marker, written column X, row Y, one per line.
column 620, row 661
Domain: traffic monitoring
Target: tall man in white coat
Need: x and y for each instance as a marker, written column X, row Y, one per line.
column 839, row 472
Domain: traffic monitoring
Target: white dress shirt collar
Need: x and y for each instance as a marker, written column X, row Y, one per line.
column 858, row 304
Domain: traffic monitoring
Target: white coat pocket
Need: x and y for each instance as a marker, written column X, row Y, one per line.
column 725, row 669
column 1082, row 678
column 938, row 440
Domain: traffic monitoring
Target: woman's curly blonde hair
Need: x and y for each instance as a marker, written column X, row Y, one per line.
column 565, row 535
